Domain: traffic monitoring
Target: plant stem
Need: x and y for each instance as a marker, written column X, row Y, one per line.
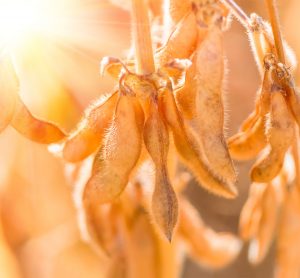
column 142, row 38
column 238, row 12
column 274, row 20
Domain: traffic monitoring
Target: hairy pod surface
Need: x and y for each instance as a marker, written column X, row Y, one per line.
column 209, row 101
column 280, row 136
column 119, row 154
column 190, row 153
column 178, row 9
column 164, row 200
column 249, row 142
column 181, row 43
column 90, row 132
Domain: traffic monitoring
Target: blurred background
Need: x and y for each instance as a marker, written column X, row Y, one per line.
column 58, row 66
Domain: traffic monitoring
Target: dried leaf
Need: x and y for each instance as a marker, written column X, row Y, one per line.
column 181, row 43
column 209, row 101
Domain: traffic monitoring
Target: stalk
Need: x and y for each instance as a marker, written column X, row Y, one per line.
column 237, row 12
column 142, row 38
column 274, row 20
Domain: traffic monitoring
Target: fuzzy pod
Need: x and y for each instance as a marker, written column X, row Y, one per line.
column 252, row 139
column 280, row 137
column 190, row 153
column 8, row 91
column 89, row 134
column 164, row 200
column 181, row 43
column 119, row 154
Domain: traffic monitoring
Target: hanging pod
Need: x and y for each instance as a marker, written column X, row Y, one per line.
column 164, row 200
column 119, row 154
column 90, row 131
column 190, row 152
column 280, row 136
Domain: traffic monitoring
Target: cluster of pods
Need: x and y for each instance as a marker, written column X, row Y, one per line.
column 176, row 113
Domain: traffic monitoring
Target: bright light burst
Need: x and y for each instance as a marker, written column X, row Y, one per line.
column 21, row 19
column 53, row 42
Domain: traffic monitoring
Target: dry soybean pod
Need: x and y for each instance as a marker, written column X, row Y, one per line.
column 90, row 132
column 190, row 154
column 164, row 200
column 181, row 43
column 209, row 101
column 280, row 136
column 119, row 155
column 248, row 143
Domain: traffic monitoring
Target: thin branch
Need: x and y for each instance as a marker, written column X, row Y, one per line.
column 238, row 12
column 274, row 20
column 142, row 37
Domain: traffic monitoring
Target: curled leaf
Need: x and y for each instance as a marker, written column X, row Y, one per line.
column 209, row 101
column 248, row 143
